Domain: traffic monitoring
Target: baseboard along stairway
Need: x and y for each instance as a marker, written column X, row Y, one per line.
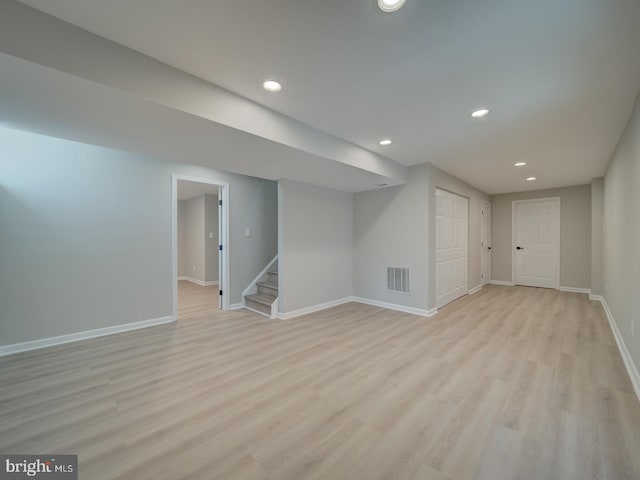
column 262, row 295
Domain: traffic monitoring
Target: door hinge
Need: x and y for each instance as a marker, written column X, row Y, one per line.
column 220, row 292
column 220, row 202
column 220, row 246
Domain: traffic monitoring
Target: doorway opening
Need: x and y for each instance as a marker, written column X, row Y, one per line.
column 200, row 221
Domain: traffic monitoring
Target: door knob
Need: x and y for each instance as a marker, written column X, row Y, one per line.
column 519, row 248
column 489, row 248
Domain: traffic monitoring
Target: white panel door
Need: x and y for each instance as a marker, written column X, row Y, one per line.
column 444, row 246
column 452, row 246
column 485, row 242
column 536, row 234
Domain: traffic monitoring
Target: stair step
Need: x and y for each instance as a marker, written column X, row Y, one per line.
column 273, row 276
column 260, row 302
column 268, row 288
column 262, row 299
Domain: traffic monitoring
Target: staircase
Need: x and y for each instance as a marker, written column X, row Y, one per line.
column 265, row 299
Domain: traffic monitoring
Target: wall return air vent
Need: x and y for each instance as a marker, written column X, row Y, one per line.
column 398, row 279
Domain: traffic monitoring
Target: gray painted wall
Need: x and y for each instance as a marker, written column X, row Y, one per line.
column 197, row 253
column 86, row 235
column 575, row 233
column 442, row 180
column 597, row 219
column 395, row 227
column 316, row 245
column 195, row 238
column 211, row 244
column 390, row 230
column 622, row 235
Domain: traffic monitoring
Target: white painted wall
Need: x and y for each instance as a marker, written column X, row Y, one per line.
column 316, row 245
column 621, row 228
column 86, row 235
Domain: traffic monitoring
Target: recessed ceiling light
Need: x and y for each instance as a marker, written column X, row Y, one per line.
column 483, row 112
column 389, row 6
column 520, row 164
column 271, row 86
column 530, row 179
column 385, row 142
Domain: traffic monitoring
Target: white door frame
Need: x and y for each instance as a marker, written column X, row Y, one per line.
column 223, row 239
column 483, row 279
column 556, row 200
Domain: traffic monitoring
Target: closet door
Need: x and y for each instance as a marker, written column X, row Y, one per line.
column 452, row 246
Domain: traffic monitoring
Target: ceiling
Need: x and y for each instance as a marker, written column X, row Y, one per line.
column 188, row 190
column 560, row 77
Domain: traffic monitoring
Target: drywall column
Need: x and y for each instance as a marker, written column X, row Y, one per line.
column 316, row 247
column 390, row 230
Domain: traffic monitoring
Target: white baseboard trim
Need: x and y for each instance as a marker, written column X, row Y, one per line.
column 199, row 282
column 314, row 308
column 502, row 282
column 575, row 290
column 632, row 370
column 87, row 334
column 399, row 308
column 475, row 289
column 597, row 298
column 236, row 306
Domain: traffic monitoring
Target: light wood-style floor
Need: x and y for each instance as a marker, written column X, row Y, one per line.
column 510, row 383
column 195, row 300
